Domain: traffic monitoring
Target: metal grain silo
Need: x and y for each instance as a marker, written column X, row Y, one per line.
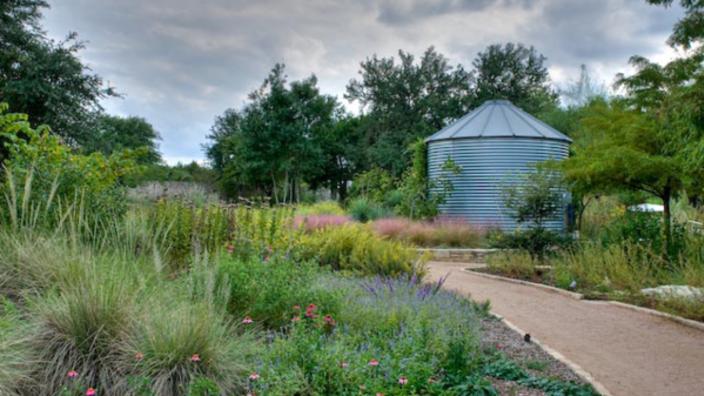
column 494, row 145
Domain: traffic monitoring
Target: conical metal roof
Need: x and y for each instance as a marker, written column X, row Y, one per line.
column 498, row 118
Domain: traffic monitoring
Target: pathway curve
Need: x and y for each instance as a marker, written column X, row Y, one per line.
column 629, row 352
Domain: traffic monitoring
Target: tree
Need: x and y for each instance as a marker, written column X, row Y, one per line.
column 621, row 148
column 44, row 78
column 690, row 29
column 114, row 134
column 516, row 73
column 404, row 100
column 272, row 145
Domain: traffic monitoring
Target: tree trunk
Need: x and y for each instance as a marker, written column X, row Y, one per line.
column 274, row 189
column 342, row 191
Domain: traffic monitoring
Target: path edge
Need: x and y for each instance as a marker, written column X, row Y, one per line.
column 577, row 296
column 577, row 369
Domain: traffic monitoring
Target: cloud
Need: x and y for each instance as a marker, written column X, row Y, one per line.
column 180, row 63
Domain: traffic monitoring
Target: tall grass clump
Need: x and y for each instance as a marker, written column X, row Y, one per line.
column 176, row 342
column 79, row 328
column 17, row 359
column 311, row 223
column 442, row 232
column 515, row 264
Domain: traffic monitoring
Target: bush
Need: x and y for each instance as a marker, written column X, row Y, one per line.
column 321, row 208
column 516, row 264
column 271, row 303
column 356, row 248
column 537, row 242
column 433, row 332
column 363, row 210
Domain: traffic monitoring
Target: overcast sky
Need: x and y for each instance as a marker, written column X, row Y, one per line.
column 180, row 63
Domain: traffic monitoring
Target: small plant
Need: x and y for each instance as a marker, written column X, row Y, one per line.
column 364, row 210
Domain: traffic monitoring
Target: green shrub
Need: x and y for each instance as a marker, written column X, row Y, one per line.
column 271, row 303
column 55, row 173
column 515, row 264
column 364, row 210
column 537, row 242
column 356, row 248
column 321, row 208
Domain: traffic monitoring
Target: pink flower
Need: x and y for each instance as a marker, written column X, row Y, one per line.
column 247, row 320
column 230, row 248
column 138, row 356
column 379, row 394
column 329, row 320
column 310, row 311
column 402, row 380
column 344, row 365
column 296, row 319
column 195, row 358
column 90, row 392
column 254, row 376
column 373, row 362
column 499, row 346
column 297, row 307
column 72, row 374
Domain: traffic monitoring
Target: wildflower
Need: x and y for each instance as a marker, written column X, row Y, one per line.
column 499, row 346
column 195, row 358
column 138, row 356
column 247, row 320
column 379, row 394
column 296, row 319
column 230, row 248
column 329, row 320
column 72, row 374
column 90, row 392
column 344, row 365
column 402, row 380
column 373, row 362
column 254, row 376
column 310, row 311
column 297, row 307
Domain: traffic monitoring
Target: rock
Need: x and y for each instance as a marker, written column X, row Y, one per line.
column 675, row 291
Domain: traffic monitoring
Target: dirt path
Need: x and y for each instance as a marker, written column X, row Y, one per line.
column 629, row 352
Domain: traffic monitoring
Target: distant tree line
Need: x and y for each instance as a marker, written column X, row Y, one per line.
column 289, row 134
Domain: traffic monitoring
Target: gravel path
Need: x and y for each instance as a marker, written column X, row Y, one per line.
column 629, row 352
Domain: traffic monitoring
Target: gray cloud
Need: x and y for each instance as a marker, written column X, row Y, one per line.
column 182, row 62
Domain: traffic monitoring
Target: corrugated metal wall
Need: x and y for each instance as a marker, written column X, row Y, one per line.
column 487, row 166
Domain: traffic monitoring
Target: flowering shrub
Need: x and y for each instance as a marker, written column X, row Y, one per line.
column 392, row 336
column 356, row 248
column 311, row 223
column 443, row 232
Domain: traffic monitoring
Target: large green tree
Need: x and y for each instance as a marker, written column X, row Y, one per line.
column 113, row 134
column 516, row 73
column 273, row 145
column 404, row 100
column 44, row 78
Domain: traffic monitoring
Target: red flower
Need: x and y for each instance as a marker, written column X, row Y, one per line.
column 195, row 358
column 402, row 380
column 310, row 311
column 373, row 362
column 499, row 346
column 254, row 376
column 72, row 374
column 329, row 320
column 90, row 392
column 247, row 320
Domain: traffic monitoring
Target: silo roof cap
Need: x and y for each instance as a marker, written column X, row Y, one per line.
column 498, row 118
